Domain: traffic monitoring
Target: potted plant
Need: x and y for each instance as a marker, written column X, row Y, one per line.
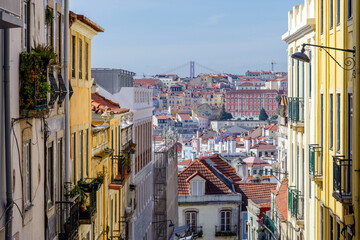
column 87, row 187
column 77, row 190
column 98, row 180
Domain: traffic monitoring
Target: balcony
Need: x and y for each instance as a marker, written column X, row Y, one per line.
column 68, row 210
column 296, row 204
column 315, row 162
column 196, row 231
column 269, row 223
column 342, row 174
column 226, row 231
column 296, row 110
column 88, row 210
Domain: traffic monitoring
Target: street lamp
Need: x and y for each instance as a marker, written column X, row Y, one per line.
column 349, row 62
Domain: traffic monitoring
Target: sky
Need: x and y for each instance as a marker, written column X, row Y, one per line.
column 151, row 37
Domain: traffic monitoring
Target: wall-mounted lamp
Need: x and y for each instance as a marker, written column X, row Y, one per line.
column 349, row 62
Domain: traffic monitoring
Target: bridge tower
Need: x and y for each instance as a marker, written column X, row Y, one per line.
column 192, row 69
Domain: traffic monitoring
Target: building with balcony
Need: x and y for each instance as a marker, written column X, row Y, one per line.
column 115, row 162
column 208, row 202
column 34, row 117
column 82, row 31
column 299, row 111
column 139, row 101
column 337, row 100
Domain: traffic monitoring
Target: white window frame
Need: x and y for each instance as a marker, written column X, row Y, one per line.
column 197, row 187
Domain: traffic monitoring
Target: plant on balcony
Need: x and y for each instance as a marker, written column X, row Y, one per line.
column 33, row 69
column 77, row 190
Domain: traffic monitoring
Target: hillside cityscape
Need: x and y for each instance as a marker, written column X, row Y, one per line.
column 103, row 153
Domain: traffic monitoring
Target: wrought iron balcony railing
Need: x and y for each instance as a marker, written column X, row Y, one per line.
column 225, row 230
column 296, row 109
column 269, row 223
column 342, row 174
column 68, row 210
column 296, row 203
column 315, row 161
column 90, row 209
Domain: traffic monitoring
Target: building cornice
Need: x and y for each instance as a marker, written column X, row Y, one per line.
column 300, row 31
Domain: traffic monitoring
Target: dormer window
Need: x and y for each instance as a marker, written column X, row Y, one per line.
column 197, row 187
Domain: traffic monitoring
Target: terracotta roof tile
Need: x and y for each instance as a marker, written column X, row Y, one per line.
column 281, row 199
column 98, row 104
column 254, row 190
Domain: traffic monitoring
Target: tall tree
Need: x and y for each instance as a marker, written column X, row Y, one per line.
column 224, row 115
column 263, row 115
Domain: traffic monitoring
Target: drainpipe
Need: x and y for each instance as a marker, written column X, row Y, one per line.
column 356, row 129
column 8, row 168
column 67, row 101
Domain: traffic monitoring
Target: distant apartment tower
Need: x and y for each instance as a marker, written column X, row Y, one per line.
column 117, row 85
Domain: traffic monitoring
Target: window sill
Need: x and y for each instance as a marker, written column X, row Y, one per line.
column 338, row 28
column 349, row 21
column 331, row 31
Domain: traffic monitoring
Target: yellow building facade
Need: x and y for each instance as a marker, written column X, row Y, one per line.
column 82, row 30
column 113, row 148
column 336, row 120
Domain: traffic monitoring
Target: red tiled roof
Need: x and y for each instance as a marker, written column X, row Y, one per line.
column 185, row 116
column 221, row 166
column 146, row 81
column 254, row 190
column 281, row 199
column 98, row 104
column 185, row 162
column 213, row 184
column 263, row 145
column 272, row 127
column 162, row 117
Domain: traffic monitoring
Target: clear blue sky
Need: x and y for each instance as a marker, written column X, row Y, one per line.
column 154, row 36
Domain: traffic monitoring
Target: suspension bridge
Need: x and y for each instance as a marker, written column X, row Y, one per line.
column 190, row 69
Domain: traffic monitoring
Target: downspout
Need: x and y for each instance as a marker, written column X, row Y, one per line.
column 8, row 168
column 45, row 180
column 356, row 128
column 67, row 103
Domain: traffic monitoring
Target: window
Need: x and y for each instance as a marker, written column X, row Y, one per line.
column 331, row 14
column 26, row 25
column 80, row 58
column 86, row 61
column 331, row 227
column 225, row 220
column 50, row 174
column 337, row 231
column 73, row 56
column 81, row 154
column 27, row 177
column 73, row 141
column 197, row 188
column 59, row 35
column 50, row 30
column 349, row 8
column 338, row 123
column 337, row 12
column 191, row 220
column 87, row 152
column 331, row 131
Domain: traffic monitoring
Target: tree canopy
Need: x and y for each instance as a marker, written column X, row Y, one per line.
column 224, row 115
column 263, row 115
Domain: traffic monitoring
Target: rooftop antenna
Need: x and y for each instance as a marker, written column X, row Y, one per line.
column 272, row 65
